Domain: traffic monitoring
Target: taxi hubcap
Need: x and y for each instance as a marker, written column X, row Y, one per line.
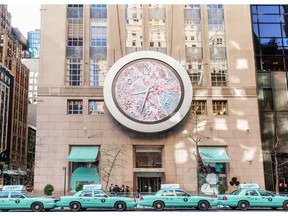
column 119, row 205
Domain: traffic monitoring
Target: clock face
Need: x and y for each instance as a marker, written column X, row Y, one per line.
column 147, row 91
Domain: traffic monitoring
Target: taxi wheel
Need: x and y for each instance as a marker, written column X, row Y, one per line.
column 120, row 206
column 243, row 205
column 203, row 205
column 37, row 207
column 285, row 205
column 75, row 206
column 158, row 206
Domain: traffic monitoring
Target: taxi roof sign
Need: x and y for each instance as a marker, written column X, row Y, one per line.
column 169, row 186
column 248, row 186
column 13, row 187
column 92, row 187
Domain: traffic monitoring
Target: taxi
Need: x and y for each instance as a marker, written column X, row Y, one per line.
column 92, row 196
column 15, row 197
column 250, row 195
column 170, row 195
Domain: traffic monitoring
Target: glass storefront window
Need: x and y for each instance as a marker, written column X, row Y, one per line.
column 210, row 175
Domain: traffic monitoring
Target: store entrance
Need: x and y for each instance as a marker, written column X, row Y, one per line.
column 148, row 184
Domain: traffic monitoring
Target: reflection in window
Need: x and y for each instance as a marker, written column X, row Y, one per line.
column 217, row 43
column 75, row 32
column 270, row 29
column 96, row 107
column 181, row 193
column 198, row 107
column 193, row 43
column 98, row 44
column 134, row 32
column 219, row 107
column 74, row 71
column 168, row 193
column 265, row 193
column 86, row 194
column 157, row 28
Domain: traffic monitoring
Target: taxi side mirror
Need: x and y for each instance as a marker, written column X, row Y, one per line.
column 105, row 196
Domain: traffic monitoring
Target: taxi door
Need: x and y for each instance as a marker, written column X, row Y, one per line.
column 17, row 200
column 253, row 197
column 101, row 200
column 268, row 199
column 169, row 198
column 86, row 199
column 184, row 199
column 4, row 199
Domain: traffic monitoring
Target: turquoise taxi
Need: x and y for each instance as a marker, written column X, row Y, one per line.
column 92, row 196
column 250, row 195
column 15, row 197
column 170, row 195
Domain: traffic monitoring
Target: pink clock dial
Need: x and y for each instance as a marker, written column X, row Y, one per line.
column 147, row 91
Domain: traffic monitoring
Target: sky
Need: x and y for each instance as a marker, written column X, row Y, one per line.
column 29, row 20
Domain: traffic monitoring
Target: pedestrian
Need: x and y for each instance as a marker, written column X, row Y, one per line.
column 122, row 190
column 281, row 188
column 111, row 188
column 116, row 189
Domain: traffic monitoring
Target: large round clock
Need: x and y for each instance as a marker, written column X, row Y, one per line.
column 148, row 91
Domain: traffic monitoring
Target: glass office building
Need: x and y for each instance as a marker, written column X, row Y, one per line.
column 270, row 36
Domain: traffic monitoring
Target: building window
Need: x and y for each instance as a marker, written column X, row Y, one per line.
column 198, row 107
column 217, row 45
column 270, row 36
column 157, row 28
column 96, row 107
column 212, row 169
column 134, row 31
column 220, row 107
column 75, row 107
column 74, row 71
column 98, row 45
column 148, row 157
column 74, row 46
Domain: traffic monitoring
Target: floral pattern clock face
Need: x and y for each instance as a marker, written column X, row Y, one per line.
column 147, row 91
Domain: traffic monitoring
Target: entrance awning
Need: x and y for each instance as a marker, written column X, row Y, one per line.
column 83, row 154
column 213, row 155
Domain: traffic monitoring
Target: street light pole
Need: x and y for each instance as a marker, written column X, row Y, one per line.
column 64, row 168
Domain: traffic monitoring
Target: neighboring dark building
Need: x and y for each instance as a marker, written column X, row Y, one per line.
column 13, row 45
column 270, row 25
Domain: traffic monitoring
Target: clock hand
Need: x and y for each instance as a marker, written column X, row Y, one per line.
column 139, row 92
column 146, row 96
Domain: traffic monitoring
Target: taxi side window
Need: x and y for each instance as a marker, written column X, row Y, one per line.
column 99, row 194
column 180, row 193
column 251, row 193
column 168, row 193
column 4, row 194
column 265, row 193
column 86, row 194
column 16, row 195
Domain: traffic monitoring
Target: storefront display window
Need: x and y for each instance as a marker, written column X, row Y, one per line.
column 212, row 169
